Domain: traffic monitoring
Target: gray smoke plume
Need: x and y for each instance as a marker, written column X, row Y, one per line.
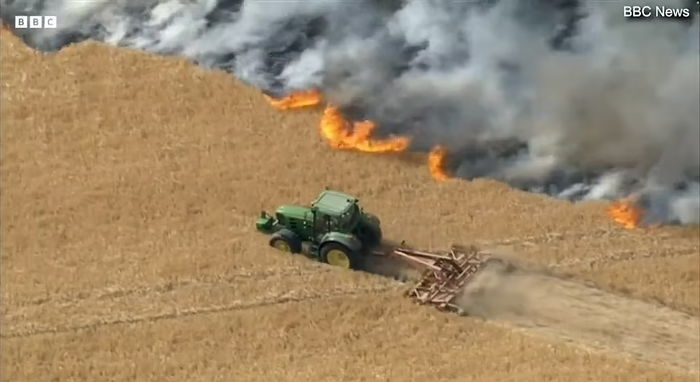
column 565, row 97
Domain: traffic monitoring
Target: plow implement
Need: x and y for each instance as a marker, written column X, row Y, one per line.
column 444, row 273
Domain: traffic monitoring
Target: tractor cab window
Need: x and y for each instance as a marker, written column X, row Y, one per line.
column 321, row 222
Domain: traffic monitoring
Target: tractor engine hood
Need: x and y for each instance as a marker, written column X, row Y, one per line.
column 294, row 212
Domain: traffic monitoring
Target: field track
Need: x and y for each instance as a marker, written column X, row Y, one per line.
column 574, row 312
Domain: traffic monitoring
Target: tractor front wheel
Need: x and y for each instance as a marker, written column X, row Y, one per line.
column 286, row 241
column 339, row 255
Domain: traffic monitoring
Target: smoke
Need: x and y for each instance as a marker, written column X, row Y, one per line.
column 564, row 97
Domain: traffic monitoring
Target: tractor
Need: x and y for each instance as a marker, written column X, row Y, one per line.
column 337, row 231
column 334, row 229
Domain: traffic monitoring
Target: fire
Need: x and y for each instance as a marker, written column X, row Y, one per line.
column 299, row 100
column 437, row 161
column 344, row 135
column 337, row 130
column 627, row 212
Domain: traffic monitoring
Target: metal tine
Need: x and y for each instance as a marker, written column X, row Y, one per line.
column 445, row 274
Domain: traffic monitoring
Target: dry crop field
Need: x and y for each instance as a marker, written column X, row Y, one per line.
column 130, row 185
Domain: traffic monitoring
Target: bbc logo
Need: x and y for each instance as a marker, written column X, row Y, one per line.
column 22, row 22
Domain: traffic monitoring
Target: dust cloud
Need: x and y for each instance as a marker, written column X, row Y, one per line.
column 540, row 302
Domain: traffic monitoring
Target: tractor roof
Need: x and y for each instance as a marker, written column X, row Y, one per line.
column 334, row 202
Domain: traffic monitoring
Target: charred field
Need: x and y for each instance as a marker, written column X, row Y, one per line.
column 129, row 250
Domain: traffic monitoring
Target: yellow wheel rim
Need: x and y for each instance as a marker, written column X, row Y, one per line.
column 338, row 258
column 282, row 246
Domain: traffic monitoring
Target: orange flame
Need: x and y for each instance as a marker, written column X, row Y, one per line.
column 344, row 135
column 437, row 161
column 299, row 100
column 627, row 212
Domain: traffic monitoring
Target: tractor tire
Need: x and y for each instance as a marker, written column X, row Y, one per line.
column 370, row 236
column 286, row 241
column 339, row 255
column 374, row 237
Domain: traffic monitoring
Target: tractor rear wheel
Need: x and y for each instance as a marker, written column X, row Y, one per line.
column 286, row 241
column 372, row 236
column 339, row 255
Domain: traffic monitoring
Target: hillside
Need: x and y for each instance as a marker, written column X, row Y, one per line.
column 130, row 188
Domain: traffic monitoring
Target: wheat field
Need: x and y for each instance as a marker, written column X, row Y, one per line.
column 130, row 187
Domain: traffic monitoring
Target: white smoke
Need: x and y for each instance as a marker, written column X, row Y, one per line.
column 564, row 97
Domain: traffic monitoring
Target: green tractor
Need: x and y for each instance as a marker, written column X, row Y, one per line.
column 333, row 230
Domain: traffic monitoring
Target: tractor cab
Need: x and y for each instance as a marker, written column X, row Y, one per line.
column 334, row 227
column 335, row 211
